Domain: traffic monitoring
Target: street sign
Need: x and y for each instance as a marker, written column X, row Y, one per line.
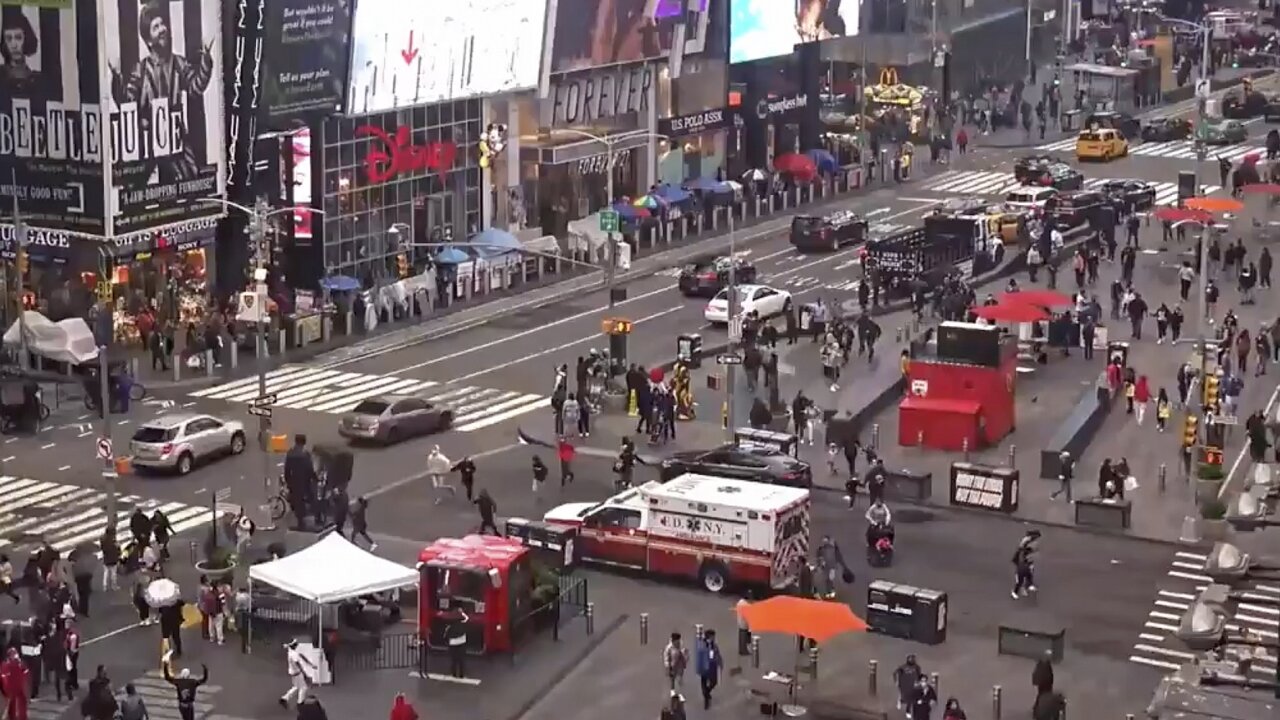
column 1203, row 88
column 104, row 448
column 728, row 359
column 608, row 221
column 735, row 329
column 268, row 399
column 264, row 412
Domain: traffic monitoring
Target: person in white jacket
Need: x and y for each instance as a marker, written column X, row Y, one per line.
column 438, row 468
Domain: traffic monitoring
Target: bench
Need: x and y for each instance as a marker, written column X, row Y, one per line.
column 1076, row 431
column 1099, row 513
column 1031, row 638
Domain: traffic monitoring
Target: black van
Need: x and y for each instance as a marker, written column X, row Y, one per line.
column 829, row 232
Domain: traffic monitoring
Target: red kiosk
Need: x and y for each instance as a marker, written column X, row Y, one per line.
column 489, row 578
column 964, row 393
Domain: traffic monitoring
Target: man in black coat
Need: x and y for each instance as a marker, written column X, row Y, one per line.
column 299, row 478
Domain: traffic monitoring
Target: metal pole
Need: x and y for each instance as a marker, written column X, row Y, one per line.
column 1028, row 39
column 873, row 673
column 109, row 475
column 644, row 628
column 730, row 373
column 20, row 261
column 611, row 252
column 1201, row 152
column 258, row 232
column 996, row 698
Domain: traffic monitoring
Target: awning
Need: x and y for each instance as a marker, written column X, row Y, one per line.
column 333, row 570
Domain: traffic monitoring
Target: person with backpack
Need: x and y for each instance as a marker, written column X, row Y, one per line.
column 132, row 706
column 186, row 687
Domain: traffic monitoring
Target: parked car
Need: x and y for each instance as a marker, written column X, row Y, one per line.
column 762, row 299
column 1103, row 144
column 388, row 419
column 1128, row 125
column 828, row 232
column 177, row 442
column 739, row 463
column 1057, row 175
column 1129, row 195
column 708, row 276
column 1166, row 130
column 1028, row 168
column 1221, row 131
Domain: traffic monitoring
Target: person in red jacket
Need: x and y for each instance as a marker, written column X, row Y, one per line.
column 14, row 680
column 1141, row 398
column 402, row 710
column 565, row 451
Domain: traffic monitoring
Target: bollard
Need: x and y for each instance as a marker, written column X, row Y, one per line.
column 1013, row 455
column 875, row 436
column 644, row 628
column 284, row 342
column 995, row 702
column 208, row 362
column 350, row 326
column 697, row 632
column 920, row 439
column 813, row 663
column 177, row 368
column 235, row 355
column 1160, row 476
column 873, row 677
column 591, row 618
column 964, row 448
column 898, row 335
column 755, row 651
column 134, row 366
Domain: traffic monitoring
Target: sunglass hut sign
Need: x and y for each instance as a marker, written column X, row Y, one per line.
column 583, row 99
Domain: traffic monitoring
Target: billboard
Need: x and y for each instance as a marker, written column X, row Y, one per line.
column 761, row 29
column 52, row 143
column 595, row 33
column 305, row 44
column 406, row 54
column 164, row 61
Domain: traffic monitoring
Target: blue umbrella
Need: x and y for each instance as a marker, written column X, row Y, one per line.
column 823, row 160
column 340, row 283
column 452, row 256
column 704, row 184
column 493, row 242
column 672, row 194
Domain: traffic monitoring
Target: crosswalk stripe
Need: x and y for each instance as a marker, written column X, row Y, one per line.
column 273, row 376
column 335, row 393
column 1183, row 149
column 67, row 515
column 1157, row 644
column 994, row 183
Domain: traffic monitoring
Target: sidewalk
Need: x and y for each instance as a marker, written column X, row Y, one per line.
column 463, row 316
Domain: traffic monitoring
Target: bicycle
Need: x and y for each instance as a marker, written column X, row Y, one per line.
column 277, row 504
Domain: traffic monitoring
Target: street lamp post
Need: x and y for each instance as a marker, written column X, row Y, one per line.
column 258, row 216
column 609, row 142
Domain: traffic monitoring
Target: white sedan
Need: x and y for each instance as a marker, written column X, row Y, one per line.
column 761, row 299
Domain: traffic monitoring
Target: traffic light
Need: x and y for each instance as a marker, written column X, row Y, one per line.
column 1210, row 396
column 1189, row 431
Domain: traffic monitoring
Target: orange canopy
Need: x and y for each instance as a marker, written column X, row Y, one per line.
column 818, row 620
column 1214, row 204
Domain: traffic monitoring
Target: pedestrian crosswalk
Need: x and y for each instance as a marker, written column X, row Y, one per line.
column 300, row 387
column 161, row 698
column 969, row 182
column 1178, row 149
column 1158, row 645
column 68, row 515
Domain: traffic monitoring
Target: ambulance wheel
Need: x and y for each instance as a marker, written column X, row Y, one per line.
column 713, row 577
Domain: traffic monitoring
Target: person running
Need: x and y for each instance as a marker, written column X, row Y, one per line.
column 360, row 522
column 1024, row 581
column 186, row 687
column 297, row 664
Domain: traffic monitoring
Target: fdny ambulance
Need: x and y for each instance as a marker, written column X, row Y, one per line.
column 720, row 532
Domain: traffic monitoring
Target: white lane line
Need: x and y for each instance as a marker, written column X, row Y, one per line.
column 1154, row 663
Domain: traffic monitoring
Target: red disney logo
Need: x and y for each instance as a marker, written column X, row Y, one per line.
column 399, row 155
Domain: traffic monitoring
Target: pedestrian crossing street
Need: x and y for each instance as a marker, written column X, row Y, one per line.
column 155, row 691
column 1179, row 149
column 69, row 515
column 299, row 387
column 1158, row 645
column 971, row 182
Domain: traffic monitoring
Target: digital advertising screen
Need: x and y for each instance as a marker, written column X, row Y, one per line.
column 407, row 54
column 761, row 29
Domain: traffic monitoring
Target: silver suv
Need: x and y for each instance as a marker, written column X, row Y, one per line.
column 178, row 441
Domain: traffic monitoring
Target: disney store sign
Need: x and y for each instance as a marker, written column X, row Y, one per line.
column 694, row 123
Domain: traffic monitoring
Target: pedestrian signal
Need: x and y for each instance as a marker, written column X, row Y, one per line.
column 1189, row 431
column 1210, row 390
column 1212, row 455
column 402, row 266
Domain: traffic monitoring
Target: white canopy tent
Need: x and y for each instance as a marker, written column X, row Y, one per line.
column 333, row 570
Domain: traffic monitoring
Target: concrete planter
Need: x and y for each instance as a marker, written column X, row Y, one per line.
column 1207, row 490
column 215, row 573
column 1214, row 531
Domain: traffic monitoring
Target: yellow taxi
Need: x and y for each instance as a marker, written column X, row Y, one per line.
column 1101, row 144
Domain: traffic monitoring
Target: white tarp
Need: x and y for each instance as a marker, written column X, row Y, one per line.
column 68, row 341
column 546, row 245
column 586, row 236
column 333, row 570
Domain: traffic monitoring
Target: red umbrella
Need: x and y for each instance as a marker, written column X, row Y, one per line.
column 656, row 375
column 1040, row 298
column 1012, row 312
column 1250, row 159
column 1261, row 189
column 796, row 164
column 1173, row 214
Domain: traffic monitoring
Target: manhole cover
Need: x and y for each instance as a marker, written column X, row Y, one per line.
column 912, row 515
